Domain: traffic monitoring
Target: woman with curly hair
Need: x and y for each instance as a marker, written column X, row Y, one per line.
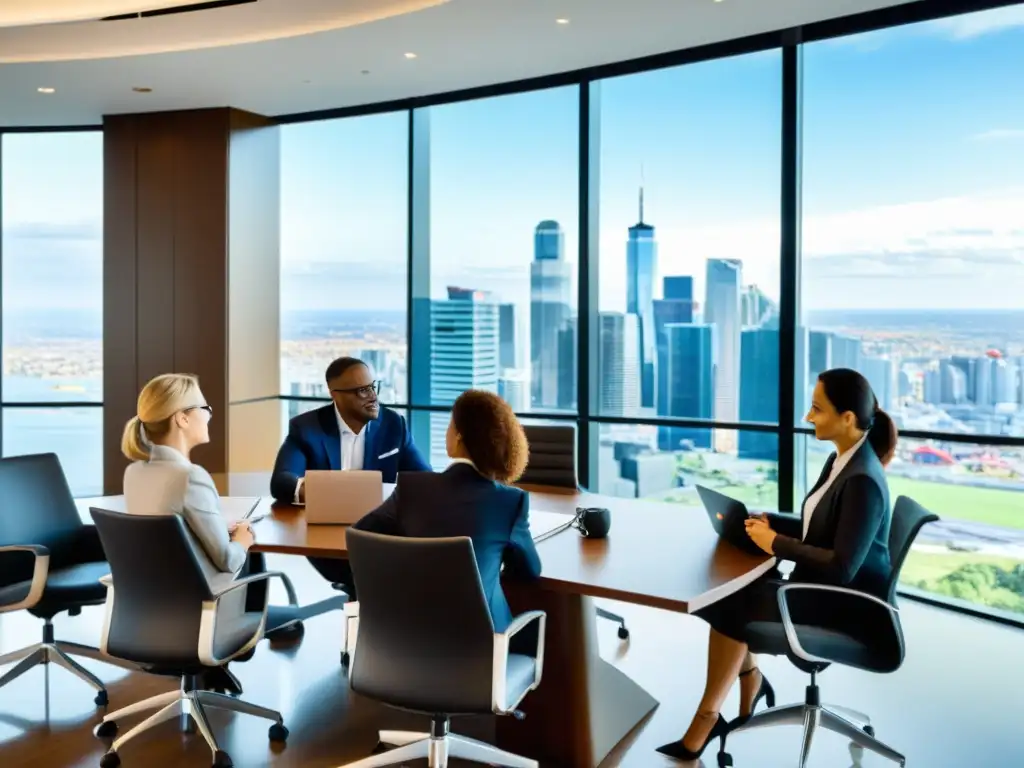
column 472, row 497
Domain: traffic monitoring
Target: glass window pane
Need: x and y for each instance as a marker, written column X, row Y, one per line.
column 976, row 551
column 689, row 243
column 503, row 208
column 629, row 463
column 912, row 272
column 52, row 219
column 343, row 250
column 74, row 434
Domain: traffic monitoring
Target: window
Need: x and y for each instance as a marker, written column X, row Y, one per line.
column 52, row 303
column 344, row 221
column 499, row 304
column 690, row 161
column 629, row 463
column 912, row 270
column 976, row 551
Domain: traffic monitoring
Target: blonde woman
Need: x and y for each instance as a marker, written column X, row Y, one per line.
column 172, row 418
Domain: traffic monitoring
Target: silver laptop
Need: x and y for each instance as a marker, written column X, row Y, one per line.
column 335, row 497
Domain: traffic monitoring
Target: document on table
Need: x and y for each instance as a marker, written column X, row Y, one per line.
column 544, row 525
column 235, row 508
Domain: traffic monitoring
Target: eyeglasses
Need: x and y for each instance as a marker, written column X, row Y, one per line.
column 363, row 393
column 207, row 408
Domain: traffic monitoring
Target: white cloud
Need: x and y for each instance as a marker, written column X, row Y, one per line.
column 973, row 25
column 999, row 134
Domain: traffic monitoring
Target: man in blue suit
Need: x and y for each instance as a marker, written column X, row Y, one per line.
column 354, row 432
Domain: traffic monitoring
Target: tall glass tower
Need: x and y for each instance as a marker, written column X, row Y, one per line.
column 550, row 281
column 641, row 266
column 722, row 309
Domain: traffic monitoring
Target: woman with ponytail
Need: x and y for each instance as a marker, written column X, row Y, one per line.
column 840, row 537
column 171, row 419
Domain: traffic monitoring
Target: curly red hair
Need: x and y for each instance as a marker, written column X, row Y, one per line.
column 493, row 436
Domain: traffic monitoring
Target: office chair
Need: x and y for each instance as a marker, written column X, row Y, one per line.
column 163, row 616
column 877, row 646
column 553, row 463
column 430, row 647
column 50, row 562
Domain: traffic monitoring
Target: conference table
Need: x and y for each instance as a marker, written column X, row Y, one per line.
column 656, row 554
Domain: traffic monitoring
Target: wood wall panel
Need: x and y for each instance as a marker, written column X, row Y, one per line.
column 167, row 258
column 119, row 297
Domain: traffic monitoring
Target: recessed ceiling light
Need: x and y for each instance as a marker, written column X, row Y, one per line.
column 561, row 21
column 365, row 72
column 142, row 89
column 46, row 89
column 410, row 55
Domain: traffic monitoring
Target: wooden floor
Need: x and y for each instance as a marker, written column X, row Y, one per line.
column 957, row 701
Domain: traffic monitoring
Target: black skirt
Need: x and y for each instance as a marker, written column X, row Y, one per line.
column 758, row 601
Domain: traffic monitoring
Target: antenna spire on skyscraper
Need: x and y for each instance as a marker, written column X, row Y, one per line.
column 641, row 193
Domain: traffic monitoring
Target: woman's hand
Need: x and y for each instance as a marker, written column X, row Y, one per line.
column 242, row 534
column 760, row 532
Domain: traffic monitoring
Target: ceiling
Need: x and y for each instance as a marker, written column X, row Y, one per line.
column 282, row 56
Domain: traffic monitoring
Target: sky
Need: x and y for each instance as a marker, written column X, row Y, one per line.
column 913, row 182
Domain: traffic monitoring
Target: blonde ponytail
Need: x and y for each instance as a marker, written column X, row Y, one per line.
column 132, row 444
column 159, row 400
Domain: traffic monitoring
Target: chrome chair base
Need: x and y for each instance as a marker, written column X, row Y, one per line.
column 189, row 708
column 846, row 722
column 52, row 653
column 437, row 750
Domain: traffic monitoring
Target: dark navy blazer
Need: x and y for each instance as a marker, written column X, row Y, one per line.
column 314, row 442
column 847, row 542
column 462, row 502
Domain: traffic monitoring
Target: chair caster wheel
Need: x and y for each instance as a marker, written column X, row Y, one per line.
column 278, row 732
column 101, row 699
column 869, row 730
column 623, row 633
column 106, row 730
column 724, row 760
column 110, row 760
column 222, row 760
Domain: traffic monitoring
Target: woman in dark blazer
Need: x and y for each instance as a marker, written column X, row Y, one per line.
column 840, row 538
column 472, row 497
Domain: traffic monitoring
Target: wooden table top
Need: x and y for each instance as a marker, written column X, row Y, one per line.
column 656, row 554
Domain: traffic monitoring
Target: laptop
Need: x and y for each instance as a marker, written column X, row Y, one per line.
column 335, row 497
column 727, row 516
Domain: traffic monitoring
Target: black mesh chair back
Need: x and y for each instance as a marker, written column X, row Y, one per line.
column 908, row 517
column 159, row 589
column 426, row 640
column 37, row 506
column 552, row 456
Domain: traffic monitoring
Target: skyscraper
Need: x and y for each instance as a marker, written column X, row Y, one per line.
column 618, row 364
column 567, row 366
column 464, row 344
column 641, row 266
column 759, row 392
column 550, row 281
column 722, row 309
column 881, row 375
column 507, row 336
column 675, row 308
column 686, row 365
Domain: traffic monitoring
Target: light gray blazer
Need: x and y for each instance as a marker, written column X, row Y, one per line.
column 170, row 483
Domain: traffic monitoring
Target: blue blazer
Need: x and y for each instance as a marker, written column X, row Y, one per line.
column 313, row 442
column 462, row 502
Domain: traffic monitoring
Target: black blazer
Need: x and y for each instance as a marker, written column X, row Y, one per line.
column 847, row 543
column 462, row 502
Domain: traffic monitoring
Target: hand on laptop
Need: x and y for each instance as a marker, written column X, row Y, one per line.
column 760, row 532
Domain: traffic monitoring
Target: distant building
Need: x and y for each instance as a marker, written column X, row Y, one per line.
column 550, row 280
column 641, row 267
column 759, row 392
column 687, row 362
column 618, row 390
column 722, row 309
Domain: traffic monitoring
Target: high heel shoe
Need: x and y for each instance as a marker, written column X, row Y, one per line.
column 676, row 749
column 764, row 691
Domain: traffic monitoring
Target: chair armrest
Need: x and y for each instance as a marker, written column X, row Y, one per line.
column 208, row 623
column 792, row 636
column 40, row 572
column 502, row 644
